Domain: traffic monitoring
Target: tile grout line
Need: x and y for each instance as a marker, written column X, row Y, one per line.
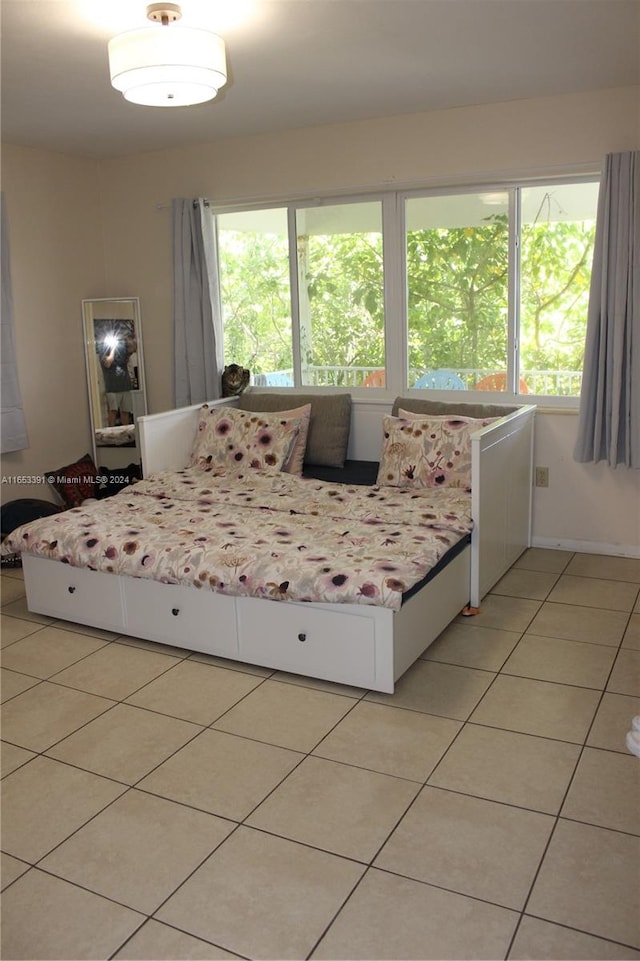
column 370, row 865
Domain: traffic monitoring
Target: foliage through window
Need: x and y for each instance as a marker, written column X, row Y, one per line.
column 340, row 292
column 457, row 285
column 483, row 290
column 557, row 237
column 255, row 291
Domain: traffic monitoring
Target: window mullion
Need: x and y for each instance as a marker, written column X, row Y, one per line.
column 295, row 294
column 513, row 293
column 394, row 292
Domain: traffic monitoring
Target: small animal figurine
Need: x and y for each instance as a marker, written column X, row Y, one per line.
column 235, row 379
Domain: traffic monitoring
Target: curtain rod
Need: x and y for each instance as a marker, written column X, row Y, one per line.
column 205, row 203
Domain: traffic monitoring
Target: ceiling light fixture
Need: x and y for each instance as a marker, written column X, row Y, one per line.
column 167, row 66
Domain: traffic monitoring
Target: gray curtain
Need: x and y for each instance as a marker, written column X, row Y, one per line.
column 197, row 329
column 609, row 421
column 13, row 428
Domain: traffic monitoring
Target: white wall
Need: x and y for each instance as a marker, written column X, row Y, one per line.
column 57, row 259
column 53, row 215
column 586, row 507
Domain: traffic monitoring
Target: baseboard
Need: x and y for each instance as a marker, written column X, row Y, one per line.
column 587, row 547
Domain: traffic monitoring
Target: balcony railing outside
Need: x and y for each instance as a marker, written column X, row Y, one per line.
column 555, row 383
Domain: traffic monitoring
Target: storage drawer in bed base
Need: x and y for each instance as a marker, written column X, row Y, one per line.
column 73, row 593
column 182, row 616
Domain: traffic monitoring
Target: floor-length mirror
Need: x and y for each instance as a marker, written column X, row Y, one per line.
column 115, row 378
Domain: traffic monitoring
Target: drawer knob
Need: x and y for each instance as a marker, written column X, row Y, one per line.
column 71, row 590
column 302, row 637
column 175, row 611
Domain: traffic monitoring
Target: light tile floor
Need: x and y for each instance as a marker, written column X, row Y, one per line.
column 162, row 805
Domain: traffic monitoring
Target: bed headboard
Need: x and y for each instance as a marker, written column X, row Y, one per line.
column 166, row 439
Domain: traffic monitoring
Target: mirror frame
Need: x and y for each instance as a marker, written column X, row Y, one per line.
column 115, row 310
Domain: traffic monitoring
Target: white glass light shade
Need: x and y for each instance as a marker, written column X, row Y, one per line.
column 168, row 66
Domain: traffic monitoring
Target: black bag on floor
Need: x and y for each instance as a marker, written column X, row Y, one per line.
column 15, row 513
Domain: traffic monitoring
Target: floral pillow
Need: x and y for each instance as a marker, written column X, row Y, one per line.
column 419, row 451
column 228, row 437
column 295, row 460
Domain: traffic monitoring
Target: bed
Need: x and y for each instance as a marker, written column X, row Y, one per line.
column 364, row 629
column 121, row 436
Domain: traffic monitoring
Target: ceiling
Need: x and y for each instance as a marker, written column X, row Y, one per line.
column 299, row 63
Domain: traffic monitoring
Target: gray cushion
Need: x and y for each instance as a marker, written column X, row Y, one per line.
column 329, row 426
column 438, row 407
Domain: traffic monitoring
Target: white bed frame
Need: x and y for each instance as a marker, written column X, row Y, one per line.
column 360, row 645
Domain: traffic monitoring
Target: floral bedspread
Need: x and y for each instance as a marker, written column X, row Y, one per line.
column 259, row 534
column 116, row 436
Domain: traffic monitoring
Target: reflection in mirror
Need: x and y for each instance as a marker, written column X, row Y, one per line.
column 115, row 378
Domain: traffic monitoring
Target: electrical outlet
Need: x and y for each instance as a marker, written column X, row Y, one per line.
column 542, row 476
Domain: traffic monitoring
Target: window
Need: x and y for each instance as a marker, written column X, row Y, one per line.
column 255, row 293
column 492, row 305
column 457, row 288
column 340, row 293
column 476, row 290
column 557, row 237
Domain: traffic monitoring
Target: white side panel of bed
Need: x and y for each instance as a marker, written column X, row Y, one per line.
column 426, row 614
column 166, row 439
column 502, row 464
